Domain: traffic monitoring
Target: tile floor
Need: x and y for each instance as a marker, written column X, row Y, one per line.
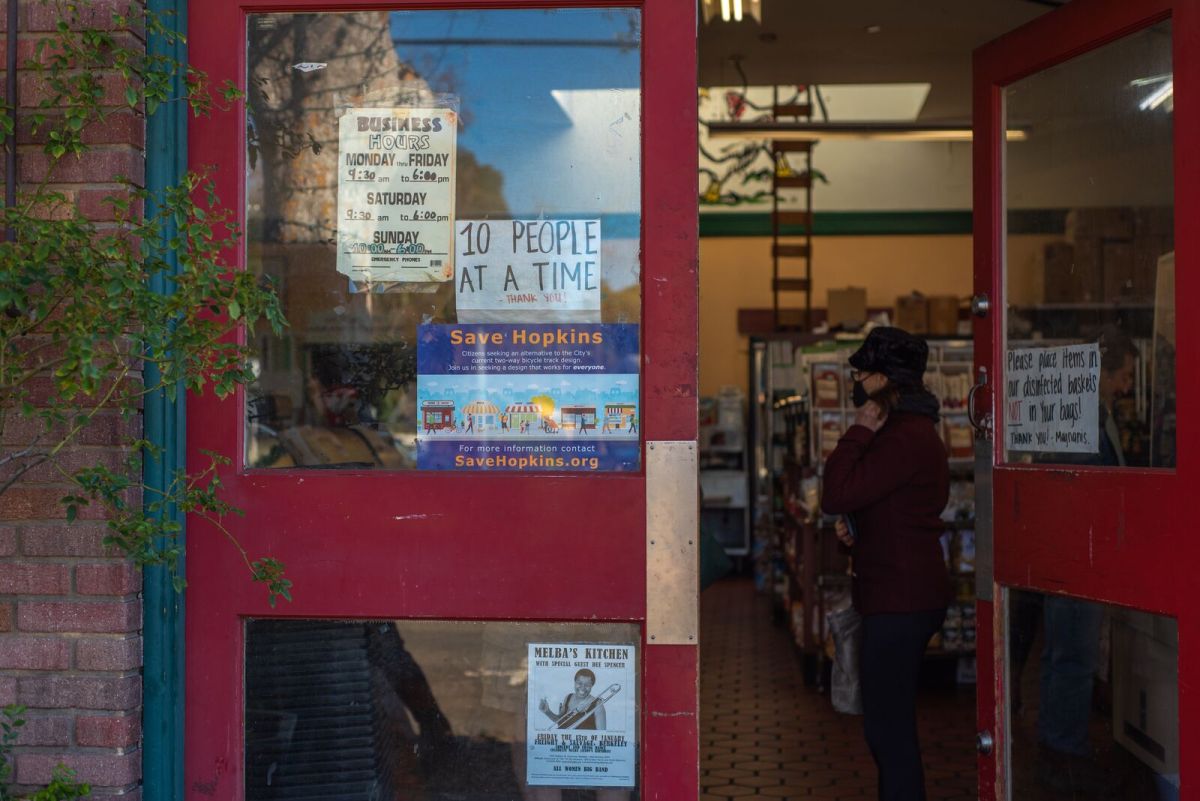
column 764, row 735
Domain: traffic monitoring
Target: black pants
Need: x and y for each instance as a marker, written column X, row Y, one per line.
column 893, row 646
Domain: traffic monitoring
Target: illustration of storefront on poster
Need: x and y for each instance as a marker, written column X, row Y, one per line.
column 396, row 185
column 581, row 715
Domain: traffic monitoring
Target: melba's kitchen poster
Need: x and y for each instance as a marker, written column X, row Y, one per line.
column 528, row 271
column 581, row 715
column 542, row 396
column 396, row 169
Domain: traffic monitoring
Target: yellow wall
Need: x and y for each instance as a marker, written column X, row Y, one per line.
column 735, row 273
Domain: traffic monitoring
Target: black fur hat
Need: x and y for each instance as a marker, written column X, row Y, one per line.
column 895, row 353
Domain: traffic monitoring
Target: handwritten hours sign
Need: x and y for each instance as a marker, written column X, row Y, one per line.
column 396, row 170
column 527, row 270
column 1052, row 399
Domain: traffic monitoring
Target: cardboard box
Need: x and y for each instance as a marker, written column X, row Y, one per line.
column 943, row 315
column 912, row 314
column 846, row 307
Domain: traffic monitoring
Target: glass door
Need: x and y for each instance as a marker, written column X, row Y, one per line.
column 473, row 445
column 1083, row 190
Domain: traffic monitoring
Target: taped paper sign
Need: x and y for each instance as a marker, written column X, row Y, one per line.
column 528, row 271
column 1052, row 399
column 581, row 715
column 396, row 170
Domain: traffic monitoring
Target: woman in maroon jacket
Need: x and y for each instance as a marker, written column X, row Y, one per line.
column 890, row 478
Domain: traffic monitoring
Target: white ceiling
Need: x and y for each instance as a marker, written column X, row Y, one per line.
column 827, row 42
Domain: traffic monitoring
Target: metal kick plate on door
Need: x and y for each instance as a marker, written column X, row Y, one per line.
column 672, row 552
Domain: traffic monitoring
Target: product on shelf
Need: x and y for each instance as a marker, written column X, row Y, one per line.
column 952, row 629
column 798, row 622
column 832, row 426
column 965, row 671
column 966, row 551
column 730, row 411
column 811, row 493
column 961, row 505
column 960, row 437
column 958, row 630
column 828, row 386
column 953, row 388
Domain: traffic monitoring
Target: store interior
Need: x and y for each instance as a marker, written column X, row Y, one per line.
column 859, row 214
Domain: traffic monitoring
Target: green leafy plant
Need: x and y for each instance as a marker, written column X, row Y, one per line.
column 84, row 335
column 10, row 728
column 62, row 786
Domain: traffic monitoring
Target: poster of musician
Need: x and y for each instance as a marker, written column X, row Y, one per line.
column 581, row 715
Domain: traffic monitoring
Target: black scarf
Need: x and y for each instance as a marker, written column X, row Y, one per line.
column 918, row 401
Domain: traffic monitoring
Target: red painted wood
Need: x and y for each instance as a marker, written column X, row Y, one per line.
column 426, row 545
column 670, row 723
column 1114, row 536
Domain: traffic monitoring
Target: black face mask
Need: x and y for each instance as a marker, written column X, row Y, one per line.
column 859, row 394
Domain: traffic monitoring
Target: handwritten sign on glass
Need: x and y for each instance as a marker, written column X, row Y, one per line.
column 1052, row 399
column 528, row 271
column 396, row 169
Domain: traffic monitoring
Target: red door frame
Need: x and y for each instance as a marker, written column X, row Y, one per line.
column 374, row 544
column 1119, row 536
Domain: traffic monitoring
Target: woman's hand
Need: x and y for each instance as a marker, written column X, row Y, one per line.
column 870, row 415
column 843, row 532
column 545, row 707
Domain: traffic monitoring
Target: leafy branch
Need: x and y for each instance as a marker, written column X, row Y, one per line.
column 62, row 786
column 80, row 318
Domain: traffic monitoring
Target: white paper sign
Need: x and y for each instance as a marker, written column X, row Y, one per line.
column 1052, row 399
column 396, row 170
column 527, row 271
column 581, row 716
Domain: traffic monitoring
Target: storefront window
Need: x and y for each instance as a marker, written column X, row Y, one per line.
column 1093, row 700
column 440, row 709
column 449, row 205
column 1089, row 259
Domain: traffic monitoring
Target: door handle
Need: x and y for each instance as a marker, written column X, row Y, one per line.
column 983, row 425
column 981, row 305
column 985, row 743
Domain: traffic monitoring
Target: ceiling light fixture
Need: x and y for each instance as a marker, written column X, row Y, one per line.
column 859, row 131
column 1161, row 95
column 731, row 10
column 1164, row 94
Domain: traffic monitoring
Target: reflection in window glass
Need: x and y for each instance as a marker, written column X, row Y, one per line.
column 364, row 710
column 418, row 176
column 1093, row 700
column 1090, row 259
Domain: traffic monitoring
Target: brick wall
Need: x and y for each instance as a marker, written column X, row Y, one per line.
column 70, row 613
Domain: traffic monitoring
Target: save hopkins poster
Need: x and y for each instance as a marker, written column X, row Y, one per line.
column 528, row 397
column 581, row 716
